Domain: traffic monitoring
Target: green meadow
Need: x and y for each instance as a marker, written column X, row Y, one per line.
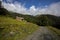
column 11, row 29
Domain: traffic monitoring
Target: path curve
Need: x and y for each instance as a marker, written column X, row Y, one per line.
column 43, row 33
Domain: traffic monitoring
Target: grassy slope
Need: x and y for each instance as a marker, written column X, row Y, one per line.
column 55, row 30
column 11, row 29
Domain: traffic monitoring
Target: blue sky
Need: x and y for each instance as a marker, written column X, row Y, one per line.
column 33, row 7
column 36, row 3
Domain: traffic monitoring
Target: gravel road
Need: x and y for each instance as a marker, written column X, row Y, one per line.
column 43, row 33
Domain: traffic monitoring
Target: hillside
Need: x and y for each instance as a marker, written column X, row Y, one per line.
column 41, row 20
column 48, row 20
column 11, row 29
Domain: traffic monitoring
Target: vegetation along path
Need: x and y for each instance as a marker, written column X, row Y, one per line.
column 43, row 33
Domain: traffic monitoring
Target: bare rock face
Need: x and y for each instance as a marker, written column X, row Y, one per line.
column 43, row 34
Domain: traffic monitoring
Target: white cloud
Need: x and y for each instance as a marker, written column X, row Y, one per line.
column 0, row 0
column 53, row 9
column 16, row 7
column 32, row 10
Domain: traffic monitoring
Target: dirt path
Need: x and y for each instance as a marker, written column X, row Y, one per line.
column 43, row 34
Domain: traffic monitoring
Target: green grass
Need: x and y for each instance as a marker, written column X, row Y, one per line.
column 55, row 30
column 11, row 29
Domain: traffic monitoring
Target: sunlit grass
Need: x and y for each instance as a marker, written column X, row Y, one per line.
column 11, row 29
